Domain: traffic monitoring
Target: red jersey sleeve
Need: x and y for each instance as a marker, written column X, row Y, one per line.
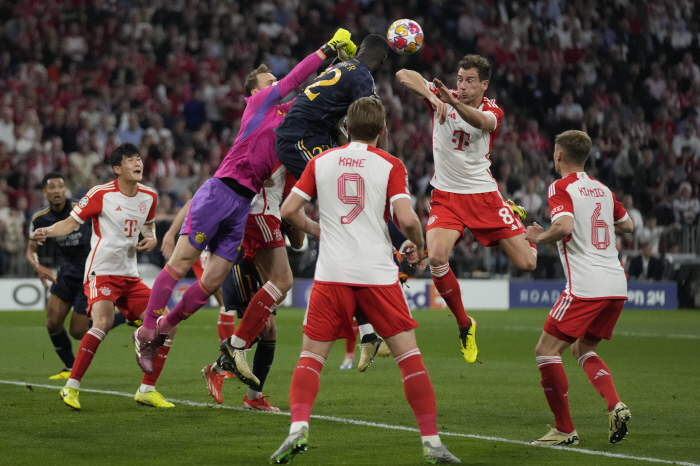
column 306, row 186
column 289, row 183
column 89, row 206
column 152, row 213
column 398, row 182
column 490, row 106
column 619, row 212
column 560, row 202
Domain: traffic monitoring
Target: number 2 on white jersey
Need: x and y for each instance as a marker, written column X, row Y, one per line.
column 358, row 200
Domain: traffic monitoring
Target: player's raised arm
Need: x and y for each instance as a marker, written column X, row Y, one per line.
column 62, row 228
column 485, row 121
column 339, row 41
column 415, row 82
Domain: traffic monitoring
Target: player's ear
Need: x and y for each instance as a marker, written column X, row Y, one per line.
column 383, row 130
column 117, row 170
column 485, row 84
column 254, row 91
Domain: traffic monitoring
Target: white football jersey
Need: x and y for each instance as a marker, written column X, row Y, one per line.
column 462, row 152
column 268, row 200
column 355, row 185
column 117, row 220
column 588, row 254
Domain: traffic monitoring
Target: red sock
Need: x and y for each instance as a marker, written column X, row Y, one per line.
column 350, row 344
column 533, row 246
column 226, row 324
column 419, row 391
column 258, row 313
column 305, row 384
column 600, row 377
column 556, row 389
column 86, row 351
column 158, row 364
column 448, row 287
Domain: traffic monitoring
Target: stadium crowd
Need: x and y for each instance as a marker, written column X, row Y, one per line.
column 77, row 78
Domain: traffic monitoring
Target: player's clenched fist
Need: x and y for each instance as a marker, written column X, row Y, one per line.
column 342, row 44
column 40, row 234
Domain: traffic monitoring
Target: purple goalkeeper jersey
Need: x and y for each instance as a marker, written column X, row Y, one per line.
column 252, row 157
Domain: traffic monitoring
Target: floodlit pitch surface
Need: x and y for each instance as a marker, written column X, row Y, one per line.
column 486, row 411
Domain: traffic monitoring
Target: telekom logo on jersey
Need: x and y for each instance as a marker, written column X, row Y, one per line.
column 130, row 228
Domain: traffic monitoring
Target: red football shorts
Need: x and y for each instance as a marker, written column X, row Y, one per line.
column 261, row 232
column 129, row 294
column 487, row 215
column 198, row 269
column 572, row 318
column 332, row 308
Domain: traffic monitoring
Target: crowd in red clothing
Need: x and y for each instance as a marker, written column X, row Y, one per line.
column 78, row 77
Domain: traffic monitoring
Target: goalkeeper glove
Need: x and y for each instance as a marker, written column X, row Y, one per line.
column 341, row 36
column 518, row 209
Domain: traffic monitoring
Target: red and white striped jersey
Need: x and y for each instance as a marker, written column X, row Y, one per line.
column 355, row 185
column 588, row 254
column 268, row 200
column 117, row 220
column 462, row 152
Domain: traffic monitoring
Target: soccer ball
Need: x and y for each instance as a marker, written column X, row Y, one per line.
column 405, row 36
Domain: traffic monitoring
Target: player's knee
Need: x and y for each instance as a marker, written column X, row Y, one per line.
column 53, row 324
column 439, row 260
column 540, row 350
column 77, row 333
column 526, row 262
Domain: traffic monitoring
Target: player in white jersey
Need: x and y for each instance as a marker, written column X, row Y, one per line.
column 265, row 250
column 586, row 216
column 357, row 185
column 465, row 195
column 119, row 211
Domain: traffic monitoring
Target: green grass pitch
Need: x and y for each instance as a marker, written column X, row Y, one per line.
column 654, row 358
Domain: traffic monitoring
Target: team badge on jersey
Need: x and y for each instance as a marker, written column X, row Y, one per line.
column 83, row 202
column 278, row 235
column 142, row 207
column 106, row 291
column 432, row 219
column 200, row 237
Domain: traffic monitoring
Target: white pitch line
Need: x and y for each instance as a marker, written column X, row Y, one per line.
column 616, row 333
column 375, row 424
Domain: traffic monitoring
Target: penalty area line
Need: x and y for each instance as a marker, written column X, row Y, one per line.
column 372, row 424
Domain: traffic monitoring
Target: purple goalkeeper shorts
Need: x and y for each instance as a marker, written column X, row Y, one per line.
column 216, row 219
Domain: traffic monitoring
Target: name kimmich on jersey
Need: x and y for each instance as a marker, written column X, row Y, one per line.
column 355, row 185
column 462, row 152
column 117, row 220
column 589, row 255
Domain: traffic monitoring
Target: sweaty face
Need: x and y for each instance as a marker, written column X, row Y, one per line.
column 55, row 191
column 469, row 87
column 131, row 168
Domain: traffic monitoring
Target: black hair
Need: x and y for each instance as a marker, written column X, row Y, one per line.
column 122, row 152
column 373, row 48
column 50, row 176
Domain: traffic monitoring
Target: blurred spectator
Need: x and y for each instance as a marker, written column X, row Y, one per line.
column 85, row 160
column 133, row 133
column 686, row 207
column 689, row 139
column 529, row 199
column 646, row 267
column 7, row 129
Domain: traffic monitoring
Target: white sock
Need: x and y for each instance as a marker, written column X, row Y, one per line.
column 432, row 440
column 147, row 388
column 237, row 342
column 297, row 426
column 72, row 383
column 365, row 329
column 253, row 395
column 217, row 368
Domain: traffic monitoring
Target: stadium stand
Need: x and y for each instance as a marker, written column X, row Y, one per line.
column 79, row 77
